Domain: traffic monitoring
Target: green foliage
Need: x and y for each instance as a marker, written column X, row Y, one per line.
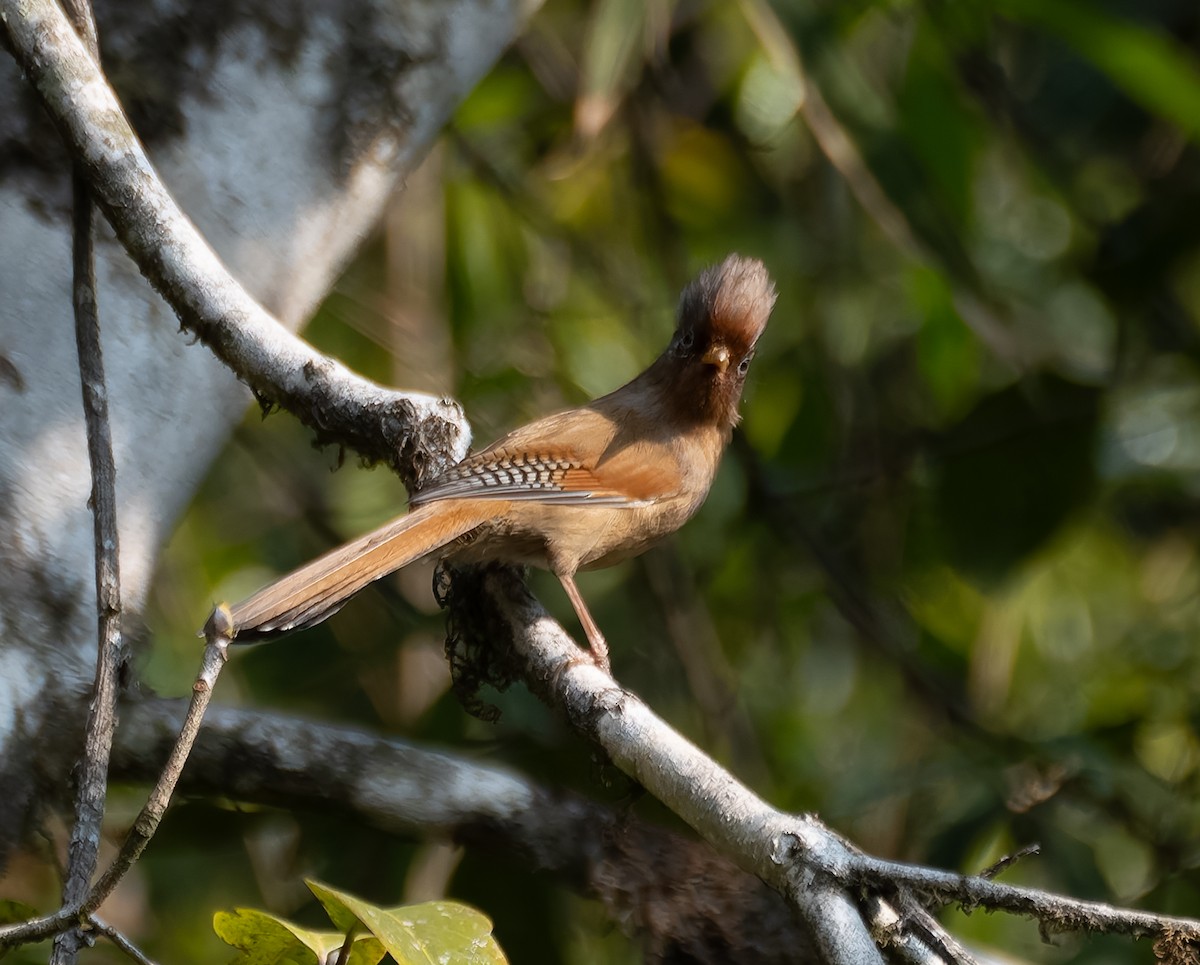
column 12, row 912
column 425, row 934
column 1153, row 68
column 263, row 939
column 1038, row 437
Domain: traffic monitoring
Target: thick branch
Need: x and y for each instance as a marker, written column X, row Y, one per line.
column 413, row 433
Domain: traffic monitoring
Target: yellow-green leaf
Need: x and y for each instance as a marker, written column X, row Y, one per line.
column 430, row 933
column 263, row 939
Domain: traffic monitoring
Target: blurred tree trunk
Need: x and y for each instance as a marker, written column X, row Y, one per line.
column 282, row 129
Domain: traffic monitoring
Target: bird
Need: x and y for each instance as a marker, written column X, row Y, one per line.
column 577, row 490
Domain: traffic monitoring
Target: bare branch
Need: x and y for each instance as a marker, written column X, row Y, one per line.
column 725, row 812
column 900, row 925
column 218, row 633
column 216, row 652
column 1056, row 912
column 130, row 950
column 413, row 433
column 92, row 770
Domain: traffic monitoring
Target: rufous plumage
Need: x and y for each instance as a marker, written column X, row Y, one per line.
column 578, row 490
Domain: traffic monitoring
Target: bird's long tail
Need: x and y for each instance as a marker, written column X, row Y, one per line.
column 319, row 589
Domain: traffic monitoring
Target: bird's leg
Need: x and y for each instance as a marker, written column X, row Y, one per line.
column 595, row 638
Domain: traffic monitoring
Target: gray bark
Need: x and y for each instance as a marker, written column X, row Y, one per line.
column 281, row 130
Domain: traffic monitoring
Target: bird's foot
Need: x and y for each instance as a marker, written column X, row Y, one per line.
column 599, row 652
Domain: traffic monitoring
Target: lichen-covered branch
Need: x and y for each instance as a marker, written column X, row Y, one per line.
column 413, row 433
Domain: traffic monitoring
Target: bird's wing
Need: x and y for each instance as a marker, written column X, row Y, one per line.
column 583, row 456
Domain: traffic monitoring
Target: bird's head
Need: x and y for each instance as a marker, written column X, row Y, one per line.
column 721, row 315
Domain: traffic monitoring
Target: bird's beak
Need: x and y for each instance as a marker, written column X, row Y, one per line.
column 717, row 355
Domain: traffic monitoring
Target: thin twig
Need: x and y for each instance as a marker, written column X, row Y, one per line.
column 1058, row 912
column 1009, row 860
column 131, row 950
column 892, row 931
column 217, row 632
column 92, row 769
column 216, row 652
column 37, row 929
column 918, row 920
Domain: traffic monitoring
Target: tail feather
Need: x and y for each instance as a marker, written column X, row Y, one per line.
column 319, row 589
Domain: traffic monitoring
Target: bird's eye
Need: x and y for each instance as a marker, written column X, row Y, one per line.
column 744, row 364
column 687, row 339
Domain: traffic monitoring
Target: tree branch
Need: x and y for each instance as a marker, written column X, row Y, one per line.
column 673, row 893
column 92, row 769
column 805, row 861
column 218, row 634
column 216, row 652
column 413, row 433
column 813, row 868
column 130, row 950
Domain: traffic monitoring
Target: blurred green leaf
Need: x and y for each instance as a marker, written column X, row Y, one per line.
column 501, row 102
column 12, row 912
column 614, row 35
column 935, row 123
column 1150, row 67
column 947, row 351
column 703, row 175
column 1013, row 470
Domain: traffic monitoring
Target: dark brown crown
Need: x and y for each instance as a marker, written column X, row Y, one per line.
column 729, row 302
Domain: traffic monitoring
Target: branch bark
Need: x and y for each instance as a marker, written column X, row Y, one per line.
column 413, row 433
column 92, row 769
column 406, row 429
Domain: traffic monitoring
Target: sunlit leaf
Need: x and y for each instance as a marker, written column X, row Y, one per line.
column 264, row 939
column 430, row 933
